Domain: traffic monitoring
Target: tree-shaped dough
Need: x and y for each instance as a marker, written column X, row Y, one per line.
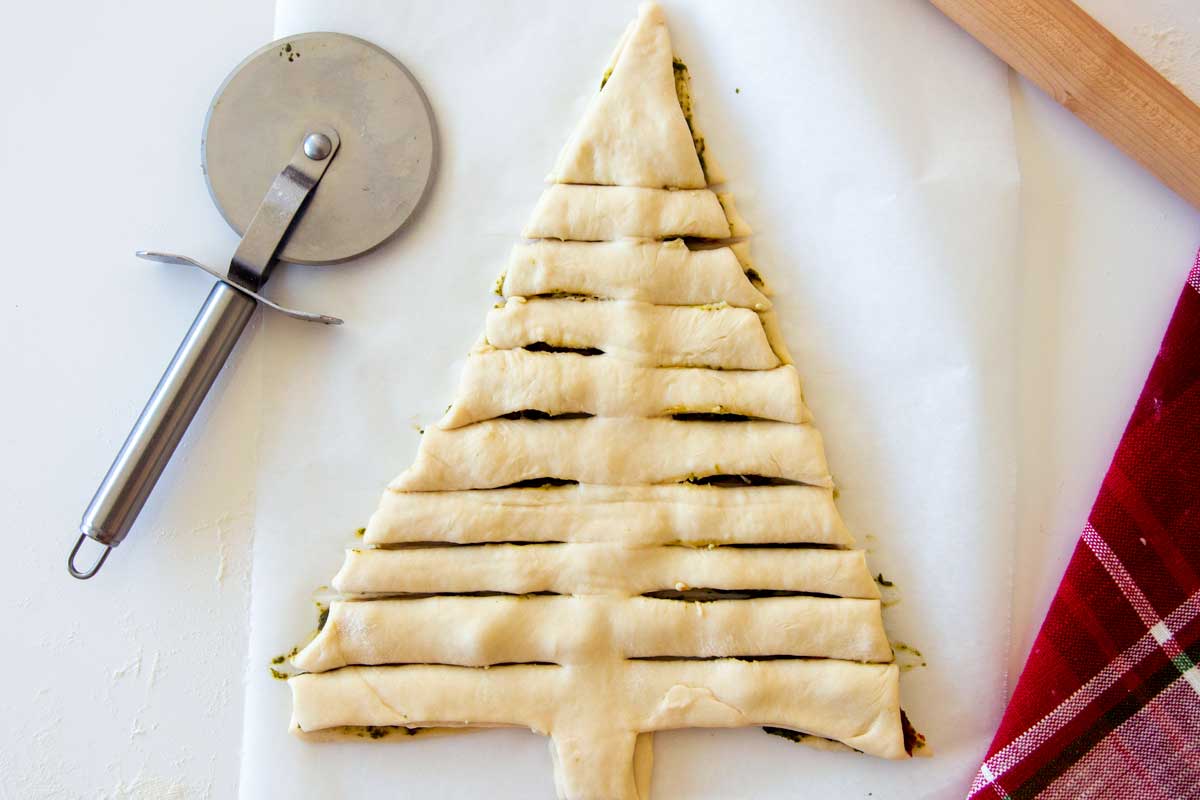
column 625, row 522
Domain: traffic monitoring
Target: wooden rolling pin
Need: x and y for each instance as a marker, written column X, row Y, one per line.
column 1055, row 44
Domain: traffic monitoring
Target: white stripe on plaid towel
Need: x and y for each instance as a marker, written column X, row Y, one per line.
column 1121, row 577
column 1151, row 754
column 1133, row 593
column 1192, row 676
column 1029, row 741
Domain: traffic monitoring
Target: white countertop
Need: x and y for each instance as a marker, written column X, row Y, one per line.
column 130, row 685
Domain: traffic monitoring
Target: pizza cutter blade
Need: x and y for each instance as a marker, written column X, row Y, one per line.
column 316, row 149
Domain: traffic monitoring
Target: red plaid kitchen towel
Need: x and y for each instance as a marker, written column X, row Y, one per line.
column 1108, row 705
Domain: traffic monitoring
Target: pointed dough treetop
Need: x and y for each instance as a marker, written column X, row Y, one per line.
column 634, row 132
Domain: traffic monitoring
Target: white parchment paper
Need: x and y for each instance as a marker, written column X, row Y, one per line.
column 869, row 143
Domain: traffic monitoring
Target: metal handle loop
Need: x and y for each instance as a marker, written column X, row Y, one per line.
column 83, row 575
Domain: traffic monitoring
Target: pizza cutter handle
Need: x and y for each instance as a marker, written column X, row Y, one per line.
column 162, row 422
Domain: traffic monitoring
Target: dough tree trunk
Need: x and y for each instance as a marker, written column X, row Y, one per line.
column 596, row 765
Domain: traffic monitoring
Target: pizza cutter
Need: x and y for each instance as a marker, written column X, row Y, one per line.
column 317, row 148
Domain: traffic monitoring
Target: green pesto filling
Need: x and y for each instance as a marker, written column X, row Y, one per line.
column 277, row 660
column 913, row 739
column 801, row 738
column 917, row 660
column 541, row 483
column 374, row 731
column 716, row 408
column 538, row 414
column 890, row 596
column 547, row 347
column 683, row 91
column 709, row 416
column 721, row 479
column 784, row 733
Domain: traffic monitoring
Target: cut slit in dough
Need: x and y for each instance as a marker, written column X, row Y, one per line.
column 634, row 516
column 605, row 213
column 621, row 452
column 644, row 334
column 666, row 273
column 483, row 631
column 603, row 568
column 499, row 382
